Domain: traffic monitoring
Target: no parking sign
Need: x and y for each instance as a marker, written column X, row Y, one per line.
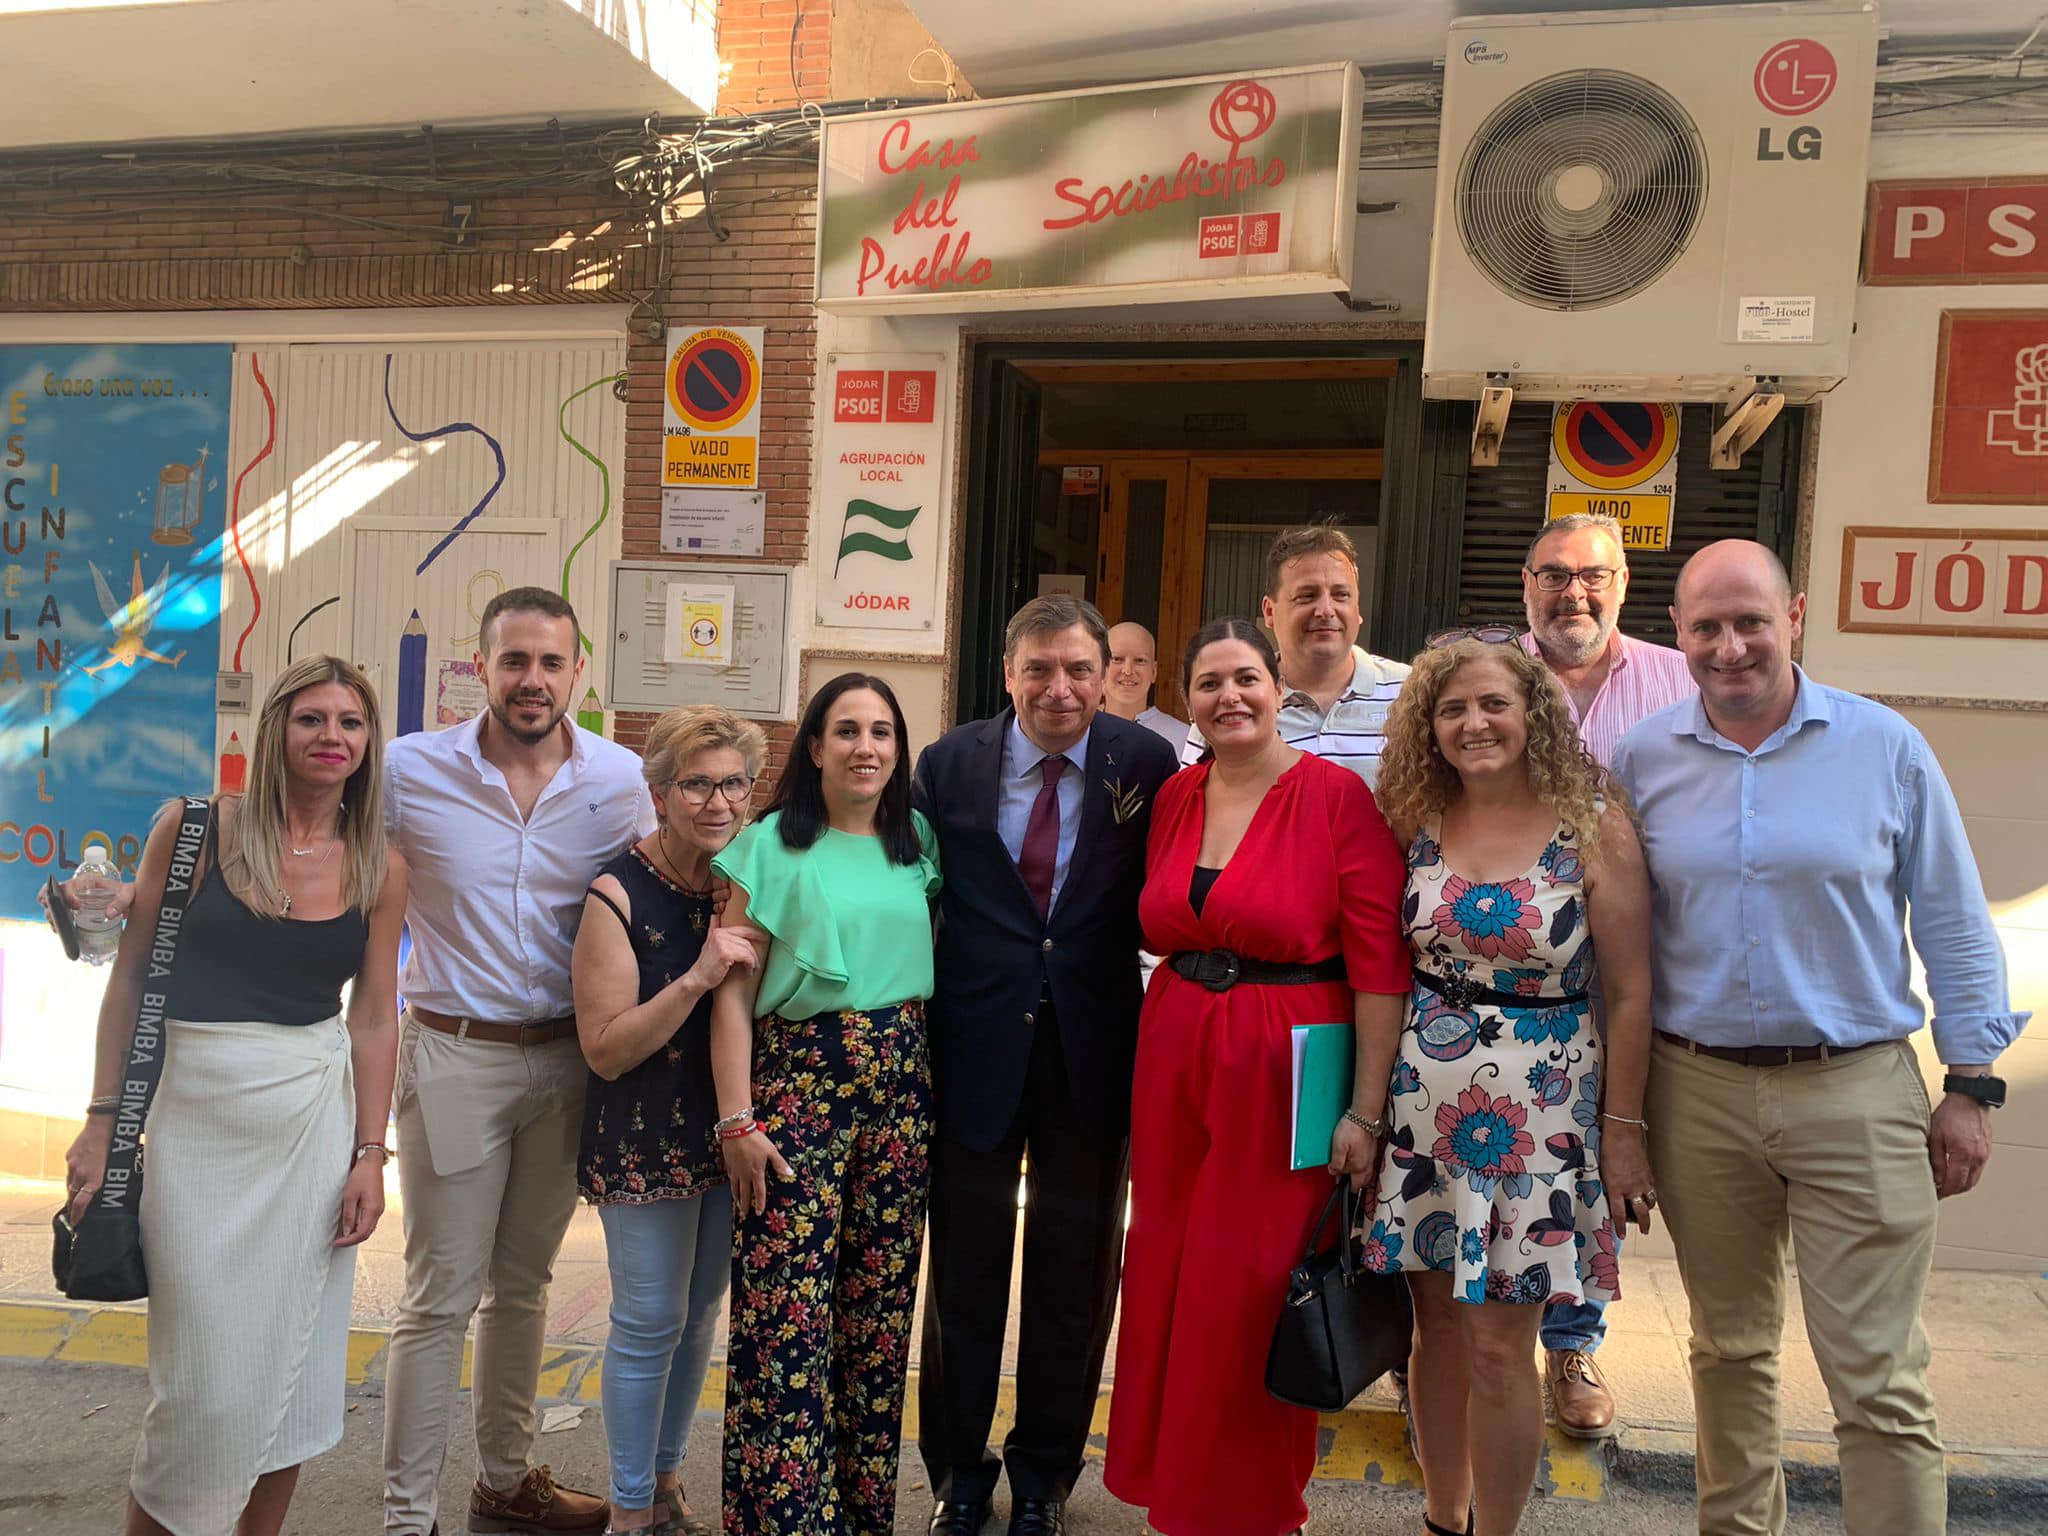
column 712, row 420
column 1618, row 458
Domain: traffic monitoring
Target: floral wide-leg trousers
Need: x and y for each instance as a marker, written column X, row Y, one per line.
column 825, row 1279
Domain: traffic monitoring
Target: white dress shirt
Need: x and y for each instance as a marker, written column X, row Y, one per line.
column 495, row 901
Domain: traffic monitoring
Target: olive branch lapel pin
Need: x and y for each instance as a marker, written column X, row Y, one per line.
column 1123, row 803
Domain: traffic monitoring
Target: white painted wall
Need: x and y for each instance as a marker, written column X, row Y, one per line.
column 1874, row 435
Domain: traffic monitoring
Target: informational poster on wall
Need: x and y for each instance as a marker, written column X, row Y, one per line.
column 699, row 628
column 1617, row 459
column 879, row 490
column 714, row 522
column 112, row 460
column 712, row 408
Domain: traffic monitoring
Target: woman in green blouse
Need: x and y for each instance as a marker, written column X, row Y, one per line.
column 825, row 1105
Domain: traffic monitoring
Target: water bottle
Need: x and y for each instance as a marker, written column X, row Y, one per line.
column 95, row 885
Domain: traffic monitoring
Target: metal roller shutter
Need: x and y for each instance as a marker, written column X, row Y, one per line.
column 1504, row 507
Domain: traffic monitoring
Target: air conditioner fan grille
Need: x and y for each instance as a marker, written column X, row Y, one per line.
column 1582, row 189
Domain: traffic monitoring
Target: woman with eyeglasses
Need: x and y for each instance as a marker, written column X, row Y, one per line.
column 649, row 956
column 1495, row 1192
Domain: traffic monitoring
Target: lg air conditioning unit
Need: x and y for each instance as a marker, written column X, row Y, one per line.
column 1653, row 204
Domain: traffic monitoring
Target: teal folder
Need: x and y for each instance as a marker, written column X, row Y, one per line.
column 1322, row 1089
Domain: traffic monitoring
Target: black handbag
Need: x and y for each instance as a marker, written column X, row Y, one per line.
column 100, row 1257
column 1343, row 1327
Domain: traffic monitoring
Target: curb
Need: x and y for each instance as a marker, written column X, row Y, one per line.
column 2009, row 1484
column 1365, row 1443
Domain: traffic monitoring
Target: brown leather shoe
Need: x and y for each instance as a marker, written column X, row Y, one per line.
column 1579, row 1394
column 537, row 1507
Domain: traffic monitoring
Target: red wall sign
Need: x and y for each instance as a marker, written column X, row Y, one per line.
column 1986, row 229
column 1990, row 442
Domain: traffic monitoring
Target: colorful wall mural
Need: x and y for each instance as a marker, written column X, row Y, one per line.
column 111, row 468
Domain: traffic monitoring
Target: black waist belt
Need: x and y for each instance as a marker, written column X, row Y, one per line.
column 1219, row 970
column 1461, row 993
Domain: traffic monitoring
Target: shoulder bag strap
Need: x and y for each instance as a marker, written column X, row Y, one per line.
column 146, row 1046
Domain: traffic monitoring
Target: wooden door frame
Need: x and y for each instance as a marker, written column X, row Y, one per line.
column 1418, row 522
column 1185, row 537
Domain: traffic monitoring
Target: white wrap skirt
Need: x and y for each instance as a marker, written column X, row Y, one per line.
column 245, row 1156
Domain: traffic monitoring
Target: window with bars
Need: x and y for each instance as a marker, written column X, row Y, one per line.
column 1504, row 506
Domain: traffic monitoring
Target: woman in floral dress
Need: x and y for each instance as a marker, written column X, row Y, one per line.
column 649, row 956
column 1514, row 1129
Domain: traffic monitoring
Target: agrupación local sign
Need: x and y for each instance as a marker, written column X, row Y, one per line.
column 1227, row 185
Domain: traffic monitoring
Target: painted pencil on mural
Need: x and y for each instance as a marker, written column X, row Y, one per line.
column 412, row 676
column 590, row 713
column 234, row 766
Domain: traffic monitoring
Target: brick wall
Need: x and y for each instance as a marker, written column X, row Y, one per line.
column 179, row 241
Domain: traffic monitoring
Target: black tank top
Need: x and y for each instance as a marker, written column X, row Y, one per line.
column 234, row 965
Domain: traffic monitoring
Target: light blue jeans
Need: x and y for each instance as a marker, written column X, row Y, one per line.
column 670, row 1263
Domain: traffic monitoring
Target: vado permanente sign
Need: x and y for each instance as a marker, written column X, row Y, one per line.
column 1231, row 184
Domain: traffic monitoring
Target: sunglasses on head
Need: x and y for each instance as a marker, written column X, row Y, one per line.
column 1485, row 634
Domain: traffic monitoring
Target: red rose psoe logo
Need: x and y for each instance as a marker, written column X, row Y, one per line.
column 1242, row 111
column 1795, row 77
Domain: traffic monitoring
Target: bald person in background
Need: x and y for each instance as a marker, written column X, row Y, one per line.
column 1133, row 670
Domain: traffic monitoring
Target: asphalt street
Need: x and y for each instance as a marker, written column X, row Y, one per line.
column 67, row 1433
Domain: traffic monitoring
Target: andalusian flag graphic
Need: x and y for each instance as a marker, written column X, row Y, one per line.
column 883, row 531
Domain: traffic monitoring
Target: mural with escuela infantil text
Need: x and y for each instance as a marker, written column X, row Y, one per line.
column 112, row 460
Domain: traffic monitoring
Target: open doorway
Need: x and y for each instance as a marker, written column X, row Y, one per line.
column 1160, row 485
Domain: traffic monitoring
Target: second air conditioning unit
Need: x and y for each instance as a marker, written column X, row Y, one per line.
column 1659, row 205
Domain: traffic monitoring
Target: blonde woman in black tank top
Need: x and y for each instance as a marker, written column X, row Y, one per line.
column 266, row 1138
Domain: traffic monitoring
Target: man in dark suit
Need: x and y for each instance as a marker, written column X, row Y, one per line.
column 1041, row 815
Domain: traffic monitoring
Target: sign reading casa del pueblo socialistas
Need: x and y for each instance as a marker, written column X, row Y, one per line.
column 1229, row 184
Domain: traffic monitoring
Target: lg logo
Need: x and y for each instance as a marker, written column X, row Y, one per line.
column 1802, row 143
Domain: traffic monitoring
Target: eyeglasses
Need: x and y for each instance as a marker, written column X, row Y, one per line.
column 696, row 790
column 1485, row 634
column 1555, row 578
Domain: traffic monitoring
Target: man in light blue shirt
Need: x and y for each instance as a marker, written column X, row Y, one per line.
column 1795, row 835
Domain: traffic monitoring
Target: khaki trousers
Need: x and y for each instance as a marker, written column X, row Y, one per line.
column 487, row 1139
column 1833, row 1154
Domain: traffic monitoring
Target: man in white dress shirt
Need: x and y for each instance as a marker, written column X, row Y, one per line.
column 1127, row 694
column 504, row 821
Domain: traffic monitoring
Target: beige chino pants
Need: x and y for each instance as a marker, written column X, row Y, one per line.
column 487, row 1138
column 1834, row 1155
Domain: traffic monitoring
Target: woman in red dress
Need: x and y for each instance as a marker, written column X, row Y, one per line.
column 1283, row 860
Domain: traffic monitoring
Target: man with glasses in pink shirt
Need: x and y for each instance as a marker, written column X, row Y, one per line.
column 1574, row 582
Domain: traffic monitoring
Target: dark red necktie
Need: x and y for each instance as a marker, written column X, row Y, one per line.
column 1040, row 854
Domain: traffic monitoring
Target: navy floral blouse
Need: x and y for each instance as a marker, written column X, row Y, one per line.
column 647, row 1135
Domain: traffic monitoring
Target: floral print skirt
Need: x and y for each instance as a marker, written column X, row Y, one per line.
column 1491, row 1169
column 1488, row 1175
column 825, row 1279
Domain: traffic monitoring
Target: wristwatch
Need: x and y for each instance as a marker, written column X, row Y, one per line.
column 1988, row 1091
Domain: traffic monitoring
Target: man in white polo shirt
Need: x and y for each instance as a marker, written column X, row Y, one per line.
column 1574, row 582
column 504, row 821
column 1337, row 694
